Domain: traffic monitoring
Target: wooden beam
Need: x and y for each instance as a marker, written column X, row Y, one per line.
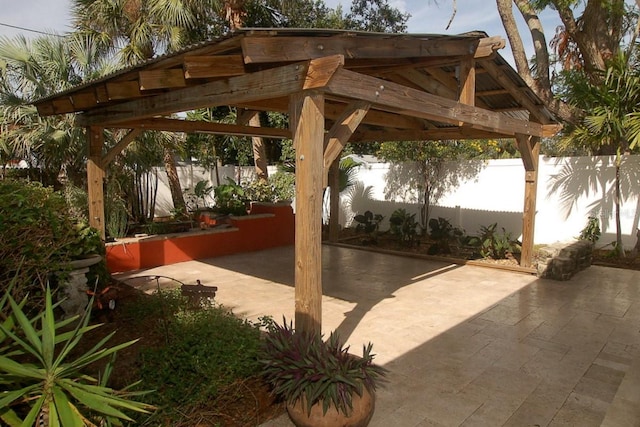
column 467, row 79
column 516, row 91
column 368, row 134
column 308, row 113
column 161, row 79
column 340, row 133
column 280, row 49
column 199, row 67
column 266, row 84
column 121, row 145
column 95, row 179
column 123, row 90
column 334, row 201
column 321, row 70
column 530, row 149
column 189, row 126
column 488, row 46
column 402, row 100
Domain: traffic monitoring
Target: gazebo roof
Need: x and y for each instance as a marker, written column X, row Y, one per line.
column 416, row 86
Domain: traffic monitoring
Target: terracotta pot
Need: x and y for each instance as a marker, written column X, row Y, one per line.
column 359, row 417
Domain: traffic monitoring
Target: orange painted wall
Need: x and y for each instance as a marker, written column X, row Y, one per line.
column 247, row 234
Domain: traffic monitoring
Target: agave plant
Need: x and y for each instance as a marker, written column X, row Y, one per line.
column 43, row 385
column 301, row 365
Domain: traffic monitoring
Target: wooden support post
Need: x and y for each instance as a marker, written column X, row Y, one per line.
column 334, row 201
column 95, row 179
column 307, row 121
column 530, row 149
column 467, row 85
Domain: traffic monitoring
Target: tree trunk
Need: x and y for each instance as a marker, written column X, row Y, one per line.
column 174, row 181
column 619, row 246
column 259, row 152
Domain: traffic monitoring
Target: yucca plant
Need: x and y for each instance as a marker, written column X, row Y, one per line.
column 301, row 365
column 42, row 384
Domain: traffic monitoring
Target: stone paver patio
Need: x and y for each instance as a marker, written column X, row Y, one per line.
column 465, row 346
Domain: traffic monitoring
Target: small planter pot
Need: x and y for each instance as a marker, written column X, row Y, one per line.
column 360, row 416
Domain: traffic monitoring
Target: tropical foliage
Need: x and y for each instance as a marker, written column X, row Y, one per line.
column 299, row 364
column 42, row 384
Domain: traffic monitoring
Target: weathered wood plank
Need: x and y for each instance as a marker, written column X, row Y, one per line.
column 402, row 100
column 161, row 79
column 530, row 149
column 272, row 49
column 467, row 91
column 537, row 111
column 187, row 126
column 321, row 70
column 366, row 134
column 334, row 201
column 95, row 179
column 123, row 90
column 308, row 111
column 342, row 130
column 198, row 67
column 272, row 83
column 121, row 145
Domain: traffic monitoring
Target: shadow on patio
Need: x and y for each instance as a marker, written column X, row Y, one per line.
column 464, row 345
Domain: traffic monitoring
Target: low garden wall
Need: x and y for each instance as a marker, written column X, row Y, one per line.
column 266, row 226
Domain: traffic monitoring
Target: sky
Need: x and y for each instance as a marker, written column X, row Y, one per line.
column 427, row 16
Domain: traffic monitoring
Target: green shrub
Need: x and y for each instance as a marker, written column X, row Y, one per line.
column 279, row 188
column 493, row 244
column 206, row 350
column 591, row 231
column 230, row 198
column 443, row 233
column 404, row 226
column 40, row 235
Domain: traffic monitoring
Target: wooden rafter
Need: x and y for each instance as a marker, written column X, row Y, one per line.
column 270, row 49
column 188, row 126
column 121, row 145
column 399, row 99
column 272, row 83
column 341, row 131
column 516, row 91
column 199, row 67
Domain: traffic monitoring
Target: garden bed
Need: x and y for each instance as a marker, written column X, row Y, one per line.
column 267, row 226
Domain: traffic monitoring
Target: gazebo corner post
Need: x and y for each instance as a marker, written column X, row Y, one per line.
column 529, row 147
column 334, row 201
column 95, row 178
column 307, row 126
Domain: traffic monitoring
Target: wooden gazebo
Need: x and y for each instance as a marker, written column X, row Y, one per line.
column 337, row 86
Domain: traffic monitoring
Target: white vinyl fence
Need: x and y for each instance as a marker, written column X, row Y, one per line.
column 479, row 193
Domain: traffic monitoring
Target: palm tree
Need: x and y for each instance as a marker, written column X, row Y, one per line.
column 612, row 118
column 32, row 69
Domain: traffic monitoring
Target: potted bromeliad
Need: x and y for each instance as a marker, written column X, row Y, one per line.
column 320, row 381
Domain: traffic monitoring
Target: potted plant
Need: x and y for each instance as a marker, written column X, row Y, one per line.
column 320, row 381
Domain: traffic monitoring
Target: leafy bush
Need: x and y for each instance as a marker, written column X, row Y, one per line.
column 443, row 233
column 404, row 226
column 495, row 245
column 279, row 188
column 591, row 231
column 368, row 222
column 39, row 235
column 43, row 385
column 205, row 351
column 231, row 198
